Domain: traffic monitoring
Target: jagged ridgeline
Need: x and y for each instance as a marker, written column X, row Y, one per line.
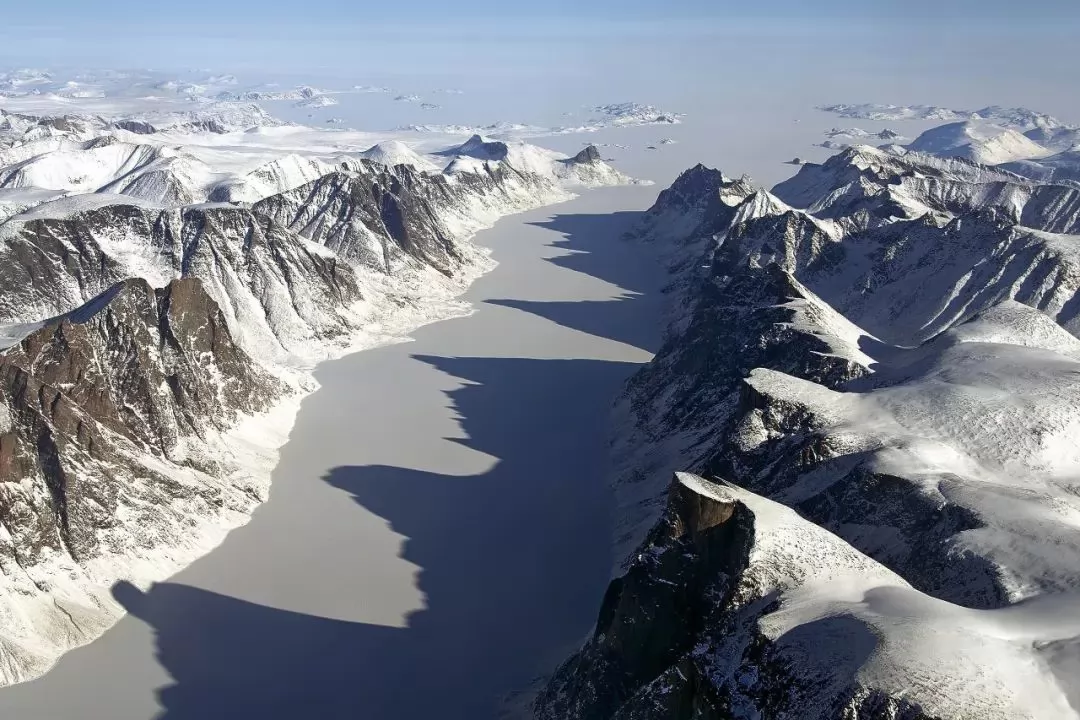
column 156, row 350
column 872, row 372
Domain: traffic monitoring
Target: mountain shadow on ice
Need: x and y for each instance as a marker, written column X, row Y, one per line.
column 503, row 603
column 596, row 248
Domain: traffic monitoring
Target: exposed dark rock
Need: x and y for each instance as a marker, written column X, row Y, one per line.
column 651, row 616
column 135, row 369
column 677, row 635
column 135, row 126
column 782, row 318
column 588, row 155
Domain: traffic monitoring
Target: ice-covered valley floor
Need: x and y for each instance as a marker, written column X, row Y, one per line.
column 434, row 536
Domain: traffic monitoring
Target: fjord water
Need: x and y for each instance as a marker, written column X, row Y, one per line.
column 438, row 530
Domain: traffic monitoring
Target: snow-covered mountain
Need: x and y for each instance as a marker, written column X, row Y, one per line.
column 631, row 113
column 859, row 133
column 1015, row 117
column 105, row 164
column 395, row 152
column 115, row 417
column 157, row 343
column 864, row 187
column 585, row 168
column 986, row 143
column 1029, row 143
column 874, row 368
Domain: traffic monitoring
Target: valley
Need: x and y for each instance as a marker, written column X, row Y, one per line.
column 468, row 419
column 406, row 550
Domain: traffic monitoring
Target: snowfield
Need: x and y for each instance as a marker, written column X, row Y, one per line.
column 307, row 243
column 871, row 375
column 1030, row 143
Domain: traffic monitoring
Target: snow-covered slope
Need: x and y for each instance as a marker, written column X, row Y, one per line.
column 894, row 367
column 859, row 133
column 885, row 186
column 1031, row 144
column 105, row 164
column 175, row 167
column 739, row 607
column 149, row 167
column 275, row 176
column 395, row 152
column 136, row 435
column 162, row 305
column 982, row 142
column 586, row 168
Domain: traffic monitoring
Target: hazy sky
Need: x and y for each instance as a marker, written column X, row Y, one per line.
column 319, row 34
column 939, row 51
column 129, row 13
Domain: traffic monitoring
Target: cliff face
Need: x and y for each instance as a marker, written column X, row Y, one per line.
column 154, row 365
column 276, row 290
column 886, row 375
column 113, row 416
column 161, row 347
column 680, row 634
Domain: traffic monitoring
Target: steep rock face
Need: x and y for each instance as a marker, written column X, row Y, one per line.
column 381, row 218
column 686, row 222
column 881, row 186
column 683, row 633
column 699, row 203
column 111, row 447
column 588, row 155
column 735, row 606
column 651, row 615
column 152, row 365
column 277, row 290
column 392, row 219
column 907, row 386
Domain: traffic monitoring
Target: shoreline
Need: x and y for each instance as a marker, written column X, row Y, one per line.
column 82, row 623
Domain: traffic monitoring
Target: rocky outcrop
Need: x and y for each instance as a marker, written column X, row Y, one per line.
column 278, row 291
column 588, row 155
column 154, row 366
column 902, row 387
column 112, row 448
column 736, row 606
column 381, row 218
column 651, row 615
column 684, row 632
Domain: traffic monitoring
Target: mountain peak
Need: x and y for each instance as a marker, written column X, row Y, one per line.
column 588, row 155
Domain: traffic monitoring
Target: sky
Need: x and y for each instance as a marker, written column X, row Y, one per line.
column 306, row 35
column 681, row 52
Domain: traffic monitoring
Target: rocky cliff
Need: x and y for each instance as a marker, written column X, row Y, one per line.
column 113, row 419
column 158, row 349
column 875, row 364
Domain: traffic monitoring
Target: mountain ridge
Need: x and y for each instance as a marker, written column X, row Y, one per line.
column 891, row 365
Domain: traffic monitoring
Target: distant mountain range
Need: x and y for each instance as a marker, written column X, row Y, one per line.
column 1030, row 143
